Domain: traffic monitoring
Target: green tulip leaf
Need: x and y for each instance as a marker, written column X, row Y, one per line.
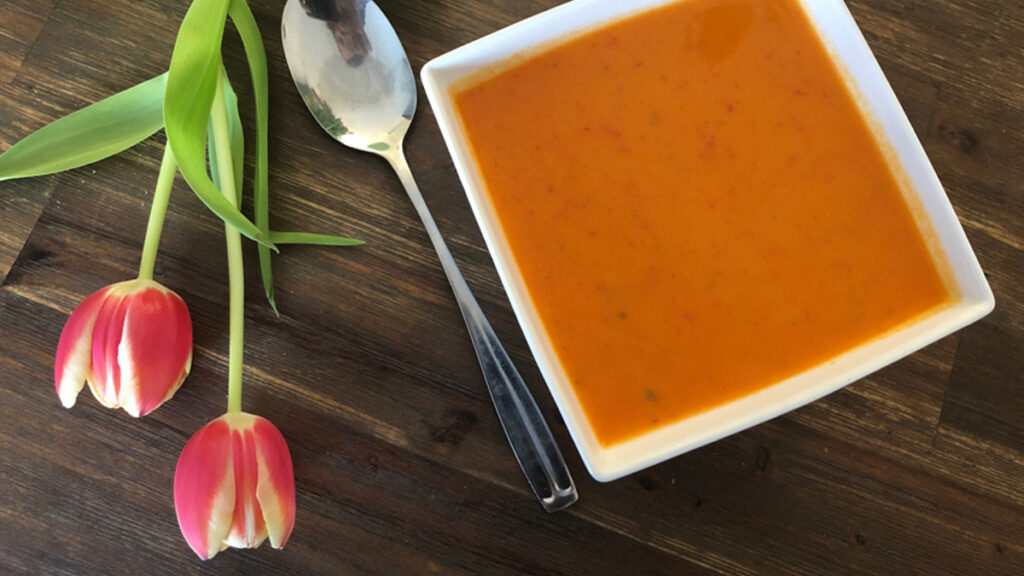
column 93, row 133
column 256, row 56
column 237, row 136
column 315, row 239
column 191, row 83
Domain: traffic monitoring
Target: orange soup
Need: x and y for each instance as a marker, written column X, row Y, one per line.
column 697, row 206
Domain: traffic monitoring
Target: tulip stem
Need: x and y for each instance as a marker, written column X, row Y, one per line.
column 236, row 271
column 161, row 197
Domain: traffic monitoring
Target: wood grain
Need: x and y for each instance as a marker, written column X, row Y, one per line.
column 401, row 466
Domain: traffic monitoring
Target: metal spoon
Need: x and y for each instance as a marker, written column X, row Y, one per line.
column 354, row 76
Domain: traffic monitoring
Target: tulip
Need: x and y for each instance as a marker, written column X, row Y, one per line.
column 131, row 341
column 234, row 486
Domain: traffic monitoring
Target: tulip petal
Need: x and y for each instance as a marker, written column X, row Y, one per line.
column 74, row 351
column 204, row 488
column 104, row 374
column 155, row 353
column 275, row 489
column 248, row 529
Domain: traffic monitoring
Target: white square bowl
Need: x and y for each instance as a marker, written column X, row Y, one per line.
column 839, row 32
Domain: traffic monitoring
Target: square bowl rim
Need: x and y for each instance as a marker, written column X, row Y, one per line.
column 440, row 74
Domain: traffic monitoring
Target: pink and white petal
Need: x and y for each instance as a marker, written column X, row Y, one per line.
column 155, row 352
column 104, row 373
column 275, row 489
column 170, row 393
column 74, row 350
column 204, row 489
column 181, row 380
column 248, row 529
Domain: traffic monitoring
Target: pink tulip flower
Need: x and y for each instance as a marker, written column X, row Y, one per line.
column 234, row 486
column 131, row 341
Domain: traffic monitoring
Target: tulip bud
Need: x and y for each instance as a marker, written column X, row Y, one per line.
column 234, row 486
column 131, row 341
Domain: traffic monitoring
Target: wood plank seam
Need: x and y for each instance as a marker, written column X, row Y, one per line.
column 35, row 42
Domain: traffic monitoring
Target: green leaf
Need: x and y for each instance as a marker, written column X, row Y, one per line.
column 308, row 238
column 191, row 82
column 237, row 136
column 379, row 146
column 256, row 55
column 93, row 133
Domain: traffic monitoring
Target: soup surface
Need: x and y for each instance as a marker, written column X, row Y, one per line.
column 697, row 207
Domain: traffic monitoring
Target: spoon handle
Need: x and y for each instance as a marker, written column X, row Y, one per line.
column 529, row 435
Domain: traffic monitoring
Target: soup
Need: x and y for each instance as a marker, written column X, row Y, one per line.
column 697, row 206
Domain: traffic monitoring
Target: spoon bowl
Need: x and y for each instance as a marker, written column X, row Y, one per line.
column 354, row 76
column 351, row 72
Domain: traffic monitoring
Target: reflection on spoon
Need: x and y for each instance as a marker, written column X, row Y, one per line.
column 358, row 92
column 345, row 19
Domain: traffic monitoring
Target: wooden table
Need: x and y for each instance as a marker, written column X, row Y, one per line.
column 401, row 467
